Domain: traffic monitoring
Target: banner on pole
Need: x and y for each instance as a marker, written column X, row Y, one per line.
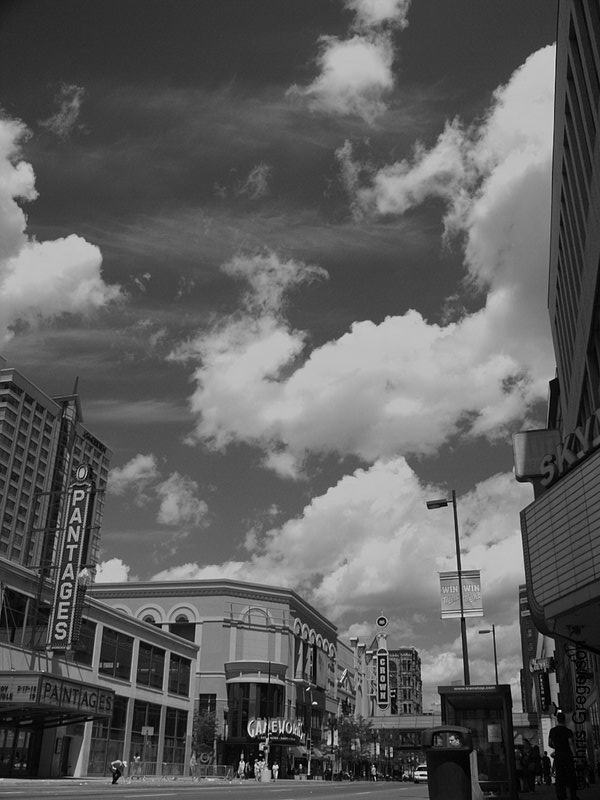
column 450, row 594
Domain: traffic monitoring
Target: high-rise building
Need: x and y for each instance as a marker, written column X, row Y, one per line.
column 42, row 440
column 561, row 527
column 406, row 685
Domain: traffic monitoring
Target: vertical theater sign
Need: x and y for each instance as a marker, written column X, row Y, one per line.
column 69, row 594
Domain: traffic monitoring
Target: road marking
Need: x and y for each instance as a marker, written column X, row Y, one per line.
column 152, row 794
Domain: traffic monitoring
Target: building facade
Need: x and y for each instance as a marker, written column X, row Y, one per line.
column 561, row 527
column 41, row 439
column 269, row 666
column 124, row 687
column 406, row 685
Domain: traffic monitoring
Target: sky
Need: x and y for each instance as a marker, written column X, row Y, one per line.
column 296, row 252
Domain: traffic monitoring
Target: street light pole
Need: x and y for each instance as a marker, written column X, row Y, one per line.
column 431, row 504
column 493, row 632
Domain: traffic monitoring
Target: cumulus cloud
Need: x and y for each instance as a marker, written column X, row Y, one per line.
column 40, row 281
column 141, row 479
column 68, row 99
column 375, row 391
column 369, row 543
column 382, row 547
column 112, row 571
column 178, row 502
column 375, row 13
column 134, row 476
column 355, row 73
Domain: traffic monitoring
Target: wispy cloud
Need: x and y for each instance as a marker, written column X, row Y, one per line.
column 68, row 99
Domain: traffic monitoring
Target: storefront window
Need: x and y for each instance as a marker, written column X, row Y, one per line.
column 248, row 700
column 151, row 666
column 115, row 654
column 175, row 737
column 179, row 675
column 144, row 734
column 108, row 738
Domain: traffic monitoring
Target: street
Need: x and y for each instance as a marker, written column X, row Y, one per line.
column 284, row 790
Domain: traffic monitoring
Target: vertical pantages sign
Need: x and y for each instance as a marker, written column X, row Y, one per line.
column 471, row 594
column 65, row 622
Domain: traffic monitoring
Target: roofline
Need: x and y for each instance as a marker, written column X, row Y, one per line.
column 206, row 587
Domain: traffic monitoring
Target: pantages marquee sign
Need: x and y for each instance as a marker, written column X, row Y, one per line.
column 65, row 623
column 574, row 448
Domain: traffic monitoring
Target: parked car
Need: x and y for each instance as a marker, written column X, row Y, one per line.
column 420, row 774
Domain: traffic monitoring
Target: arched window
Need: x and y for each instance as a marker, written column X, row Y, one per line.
column 149, row 618
column 253, row 636
column 183, row 627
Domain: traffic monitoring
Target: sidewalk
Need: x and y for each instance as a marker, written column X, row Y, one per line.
column 549, row 793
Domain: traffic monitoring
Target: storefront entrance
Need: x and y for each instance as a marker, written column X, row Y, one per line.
column 33, row 707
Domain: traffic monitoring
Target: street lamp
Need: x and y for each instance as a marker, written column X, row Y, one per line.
column 443, row 503
column 492, row 630
column 307, row 686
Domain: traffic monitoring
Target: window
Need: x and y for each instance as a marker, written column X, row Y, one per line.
column 115, row 654
column 183, row 627
column 12, row 616
column 108, row 738
column 179, row 675
column 175, row 736
column 151, row 666
column 207, row 704
column 84, row 649
column 146, row 715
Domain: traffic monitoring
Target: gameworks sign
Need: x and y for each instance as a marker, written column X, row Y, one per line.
column 65, row 623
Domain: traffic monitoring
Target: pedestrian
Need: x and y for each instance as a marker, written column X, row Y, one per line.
column 241, row 768
column 546, row 768
column 193, row 765
column 136, row 771
column 275, row 771
column 561, row 741
column 117, row 766
column 373, row 772
column 534, row 767
column 520, row 769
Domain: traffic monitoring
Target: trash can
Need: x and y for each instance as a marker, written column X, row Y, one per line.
column 448, row 753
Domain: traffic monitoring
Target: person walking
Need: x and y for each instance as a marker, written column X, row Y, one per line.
column 117, row 766
column 241, row 768
column 373, row 772
column 560, row 739
column 275, row 771
column 546, row 768
column 534, row 767
column 136, row 771
column 193, row 765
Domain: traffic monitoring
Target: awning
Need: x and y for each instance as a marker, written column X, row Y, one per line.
column 316, row 753
column 41, row 699
column 299, row 751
